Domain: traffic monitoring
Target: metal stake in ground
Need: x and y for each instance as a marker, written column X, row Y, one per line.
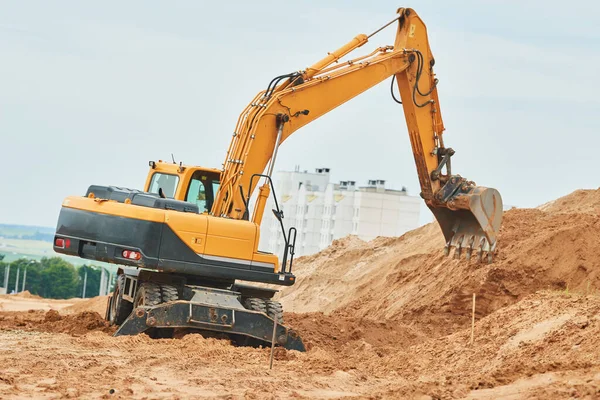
column 473, row 321
column 273, row 341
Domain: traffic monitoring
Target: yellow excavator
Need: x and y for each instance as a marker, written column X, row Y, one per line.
column 187, row 241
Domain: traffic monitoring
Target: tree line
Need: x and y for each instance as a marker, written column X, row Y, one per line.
column 51, row 277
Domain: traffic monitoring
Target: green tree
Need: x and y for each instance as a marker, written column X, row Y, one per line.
column 2, row 257
column 3, row 266
column 33, row 279
column 19, row 266
column 93, row 281
column 59, row 278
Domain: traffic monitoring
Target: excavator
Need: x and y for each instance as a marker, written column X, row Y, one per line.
column 187, row 245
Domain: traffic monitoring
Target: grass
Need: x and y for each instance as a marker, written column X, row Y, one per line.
column 588, row 291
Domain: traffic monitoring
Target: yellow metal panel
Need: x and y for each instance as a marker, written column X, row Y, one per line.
column 230, row 238
column 267, row 258
column 190, row 228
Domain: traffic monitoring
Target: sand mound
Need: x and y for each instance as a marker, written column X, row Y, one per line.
column 21, row 295
column 96, row 304
column 408, row 278
column 52, row 321
column 580, row 201
column 524, row 348
column 544, row 346
column 27, row 295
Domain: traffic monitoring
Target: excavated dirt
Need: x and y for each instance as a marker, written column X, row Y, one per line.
column 95, row 304
column 389, row 318
column 51, row 321
column 408, row 278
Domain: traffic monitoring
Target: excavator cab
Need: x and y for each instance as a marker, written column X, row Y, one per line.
column 198, row 186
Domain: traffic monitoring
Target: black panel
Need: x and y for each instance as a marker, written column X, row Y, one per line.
column 140, row 198
column 204, row 269
column 114, row 193
column 95, row 227
column 147, row 200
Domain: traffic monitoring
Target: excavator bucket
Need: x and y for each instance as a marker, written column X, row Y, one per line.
column 470, row 222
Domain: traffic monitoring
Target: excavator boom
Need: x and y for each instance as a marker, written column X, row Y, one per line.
column 468, row 215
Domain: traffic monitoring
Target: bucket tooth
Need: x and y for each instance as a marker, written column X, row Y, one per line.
column 491, row 252
column 457, row 253
column 459, row 247
column 470, row 248
column 483, row 247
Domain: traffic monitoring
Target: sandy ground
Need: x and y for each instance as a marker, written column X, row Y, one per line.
column 25, row 301
column 384, row 319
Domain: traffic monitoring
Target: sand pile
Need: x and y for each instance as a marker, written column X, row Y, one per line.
column 27, row 295
column 526, row 347
column 21, row 295
column 545, row 346
column 580, row 201
column 409, row 279
column 96, row 304
column 51, row 321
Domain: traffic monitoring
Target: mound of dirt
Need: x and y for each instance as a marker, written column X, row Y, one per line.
column 27, row 295
column 319, row 330
column 517, row 350
column 409, row 279
column 580, row 201
column 21, row 295
column 51, row 321
column 96, row 304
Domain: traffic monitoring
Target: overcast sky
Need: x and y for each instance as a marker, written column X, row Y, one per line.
column 90, row 93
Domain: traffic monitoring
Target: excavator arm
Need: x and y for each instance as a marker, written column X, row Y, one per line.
column 469, row 216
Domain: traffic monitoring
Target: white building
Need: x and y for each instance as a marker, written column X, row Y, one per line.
column 322, row 211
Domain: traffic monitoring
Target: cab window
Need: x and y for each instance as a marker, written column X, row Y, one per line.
column 197, row 194
column 168, row 183
column 202, row 190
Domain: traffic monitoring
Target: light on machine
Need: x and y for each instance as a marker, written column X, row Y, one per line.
column 62, row 243
column 132, row 255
